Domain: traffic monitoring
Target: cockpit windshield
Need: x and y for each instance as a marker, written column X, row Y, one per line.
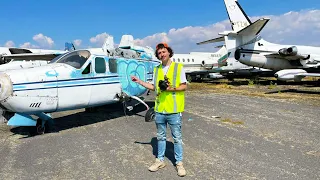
column 75, row 59
column 56, row 58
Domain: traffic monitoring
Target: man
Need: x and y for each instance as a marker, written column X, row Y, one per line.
column 169, row 83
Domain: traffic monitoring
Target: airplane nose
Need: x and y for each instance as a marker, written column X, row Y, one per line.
column 5, row 86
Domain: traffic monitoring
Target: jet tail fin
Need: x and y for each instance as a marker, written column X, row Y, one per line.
column 238, row 18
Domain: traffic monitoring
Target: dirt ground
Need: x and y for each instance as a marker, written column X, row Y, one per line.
column 307, row 91
column 231, row 130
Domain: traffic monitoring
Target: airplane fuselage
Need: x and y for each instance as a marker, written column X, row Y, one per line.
column 259, row 54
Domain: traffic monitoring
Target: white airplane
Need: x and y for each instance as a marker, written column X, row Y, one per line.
column 199, row 65
column 292, row 62
column 39, row 57
column 5, row 52
column 196, row 64
column 77, row 79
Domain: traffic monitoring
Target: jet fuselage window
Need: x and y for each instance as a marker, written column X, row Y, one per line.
column 75, row 59
column 178, row 60
column 192, row 60
column 100, row 65
column 188, row 60
column 183, row 60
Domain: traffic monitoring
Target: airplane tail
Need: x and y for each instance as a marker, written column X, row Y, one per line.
column 68, row 46
column 222, row 61
column 238, row 18
column 108, row 44
column 244, row 31
column 126, row 42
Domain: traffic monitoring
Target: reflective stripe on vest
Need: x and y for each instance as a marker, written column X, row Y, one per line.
column 174, row 85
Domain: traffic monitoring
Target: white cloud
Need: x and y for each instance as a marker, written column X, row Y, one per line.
column 99, row 39
column 43, row 41
column 9, row 44
column 301, row 28
column 77, row 42
column 29, row 45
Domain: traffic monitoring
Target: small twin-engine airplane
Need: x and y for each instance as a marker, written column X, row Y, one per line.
column 77, row 79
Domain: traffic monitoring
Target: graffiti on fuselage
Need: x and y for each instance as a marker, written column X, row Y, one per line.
column 142, row 69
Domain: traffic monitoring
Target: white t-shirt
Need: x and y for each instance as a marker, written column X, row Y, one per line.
column 165, row 69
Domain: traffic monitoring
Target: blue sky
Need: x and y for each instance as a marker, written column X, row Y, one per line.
column 63, row 21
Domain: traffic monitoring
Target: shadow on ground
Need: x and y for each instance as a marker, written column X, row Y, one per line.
column 83, row 118
column 293, row 91
column 169, row 149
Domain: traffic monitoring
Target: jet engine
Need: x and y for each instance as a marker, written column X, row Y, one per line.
column 290, row 74
column 291, row 51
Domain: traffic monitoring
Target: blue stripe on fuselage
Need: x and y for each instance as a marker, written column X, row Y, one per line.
column 116, row 82
column 66, row 83
column 66, row 80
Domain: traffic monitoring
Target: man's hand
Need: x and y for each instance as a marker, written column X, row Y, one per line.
column 135, row 79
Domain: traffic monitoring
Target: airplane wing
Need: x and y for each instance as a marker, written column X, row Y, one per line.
column 308, row 74
column 219, row 39
column 32, row 56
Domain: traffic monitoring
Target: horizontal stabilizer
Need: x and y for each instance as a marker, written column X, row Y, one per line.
column 254, row 28
column 220, row 46
column 219, row 39
column 32, row 56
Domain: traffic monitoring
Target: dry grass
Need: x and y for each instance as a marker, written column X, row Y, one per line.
column 306, row 91
column 229, row 121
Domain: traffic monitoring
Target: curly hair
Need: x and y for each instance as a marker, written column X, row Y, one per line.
column 163, row 45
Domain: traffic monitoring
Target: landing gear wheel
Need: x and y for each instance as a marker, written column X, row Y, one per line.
column 39, row 129
column 150, row 115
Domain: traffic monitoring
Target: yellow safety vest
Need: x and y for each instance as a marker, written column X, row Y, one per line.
column 167, row 101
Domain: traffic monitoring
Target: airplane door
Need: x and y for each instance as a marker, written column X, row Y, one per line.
column 106, row 83
column 74, row 89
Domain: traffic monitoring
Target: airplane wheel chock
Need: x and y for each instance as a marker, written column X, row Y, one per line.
column 150, row 115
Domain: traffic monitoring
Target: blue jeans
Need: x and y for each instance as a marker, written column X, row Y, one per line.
column 174, row 121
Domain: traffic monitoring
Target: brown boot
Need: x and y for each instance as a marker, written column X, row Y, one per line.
column 157, row 165
column 181, row 171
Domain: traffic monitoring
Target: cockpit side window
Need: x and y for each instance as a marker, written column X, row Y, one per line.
column 75, row 59
column 100, row 65
column 87, row 70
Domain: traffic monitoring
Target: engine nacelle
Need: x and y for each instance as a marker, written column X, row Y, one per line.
column 290, row 74
column 291, row 51
column 257, row 60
